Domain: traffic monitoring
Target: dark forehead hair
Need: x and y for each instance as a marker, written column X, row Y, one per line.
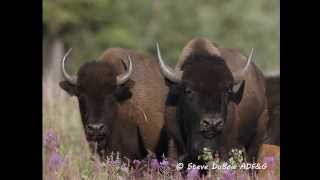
column 207, row 73
column 97, row 76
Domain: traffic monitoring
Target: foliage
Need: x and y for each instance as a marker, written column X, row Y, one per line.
column 92, row 26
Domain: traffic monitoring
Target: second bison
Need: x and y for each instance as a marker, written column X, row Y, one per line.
column 217, row 100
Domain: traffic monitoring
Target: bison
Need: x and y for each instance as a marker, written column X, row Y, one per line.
column 273, row 95
column 271, row 142
column 121, row 99
column 216, row 100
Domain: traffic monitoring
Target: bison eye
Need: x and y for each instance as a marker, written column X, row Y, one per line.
column 226, row 94
column 229, row 91
column 187, row 91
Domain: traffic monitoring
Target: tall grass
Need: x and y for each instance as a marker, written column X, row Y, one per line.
column 66, row 154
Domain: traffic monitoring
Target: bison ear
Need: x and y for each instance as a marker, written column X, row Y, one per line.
column 238, row 90
column 123, row 91
column 71, row 89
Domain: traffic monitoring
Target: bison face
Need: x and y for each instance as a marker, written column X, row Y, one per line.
column 208, row 111
column 203, row 112
column 100, row 91
column 205, row 93
column 100, row 109
column 205, row 99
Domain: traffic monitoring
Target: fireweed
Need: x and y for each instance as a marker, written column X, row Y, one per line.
column 114, row 167
column 51, row 145
column 148, row 168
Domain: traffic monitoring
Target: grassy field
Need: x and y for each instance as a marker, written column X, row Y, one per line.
column 66, row 154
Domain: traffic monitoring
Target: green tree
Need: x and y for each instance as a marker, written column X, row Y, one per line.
column 92, row 26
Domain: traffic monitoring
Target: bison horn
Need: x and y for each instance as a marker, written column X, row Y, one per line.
column 239, row 75
column 71, row 79
column 122, row 78
column 168, row 72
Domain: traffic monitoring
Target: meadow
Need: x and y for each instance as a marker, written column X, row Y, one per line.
column 89, row 27
column 66, row 154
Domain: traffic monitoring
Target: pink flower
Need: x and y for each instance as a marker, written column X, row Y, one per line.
column 228, row 175
column 193, row 174
column 55, row 161
column 136, row 163
column 51, row 141
column 164, row 163
column 270, row 161
column 154, row 164
column 242, row 177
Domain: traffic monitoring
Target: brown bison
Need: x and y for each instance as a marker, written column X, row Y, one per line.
column 216, row 100
column 273, row 95
column 121, row 102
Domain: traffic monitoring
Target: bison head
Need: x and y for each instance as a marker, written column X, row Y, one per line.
column 99, row 91
column 205, row 93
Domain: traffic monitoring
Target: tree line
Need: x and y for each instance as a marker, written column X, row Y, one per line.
column 89, row 27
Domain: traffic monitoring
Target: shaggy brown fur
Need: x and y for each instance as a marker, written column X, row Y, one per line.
column 133, row 113
column 209, row 69
column 273, row 95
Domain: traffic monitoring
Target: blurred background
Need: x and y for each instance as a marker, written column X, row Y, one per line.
column 91, row 26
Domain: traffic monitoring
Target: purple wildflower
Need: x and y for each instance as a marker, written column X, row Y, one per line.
column 228, row 174
column 154, row 164
column 241, row 177
column 270, row 161
column 164, row 163
column 51, row 141
column 193, row 174
column 136, row 163
column 55, row 161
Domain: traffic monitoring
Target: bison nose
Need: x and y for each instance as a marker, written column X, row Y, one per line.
column 211, row 123
column 96, row 128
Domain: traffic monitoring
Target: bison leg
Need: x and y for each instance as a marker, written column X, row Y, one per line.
column 259, row 136
column 170, row 141
column 173, row 129
column 162, row 146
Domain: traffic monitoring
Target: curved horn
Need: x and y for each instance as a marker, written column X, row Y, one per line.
column 122, row 78
column 238, row 76
column 168, row 72
column 69, row 78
